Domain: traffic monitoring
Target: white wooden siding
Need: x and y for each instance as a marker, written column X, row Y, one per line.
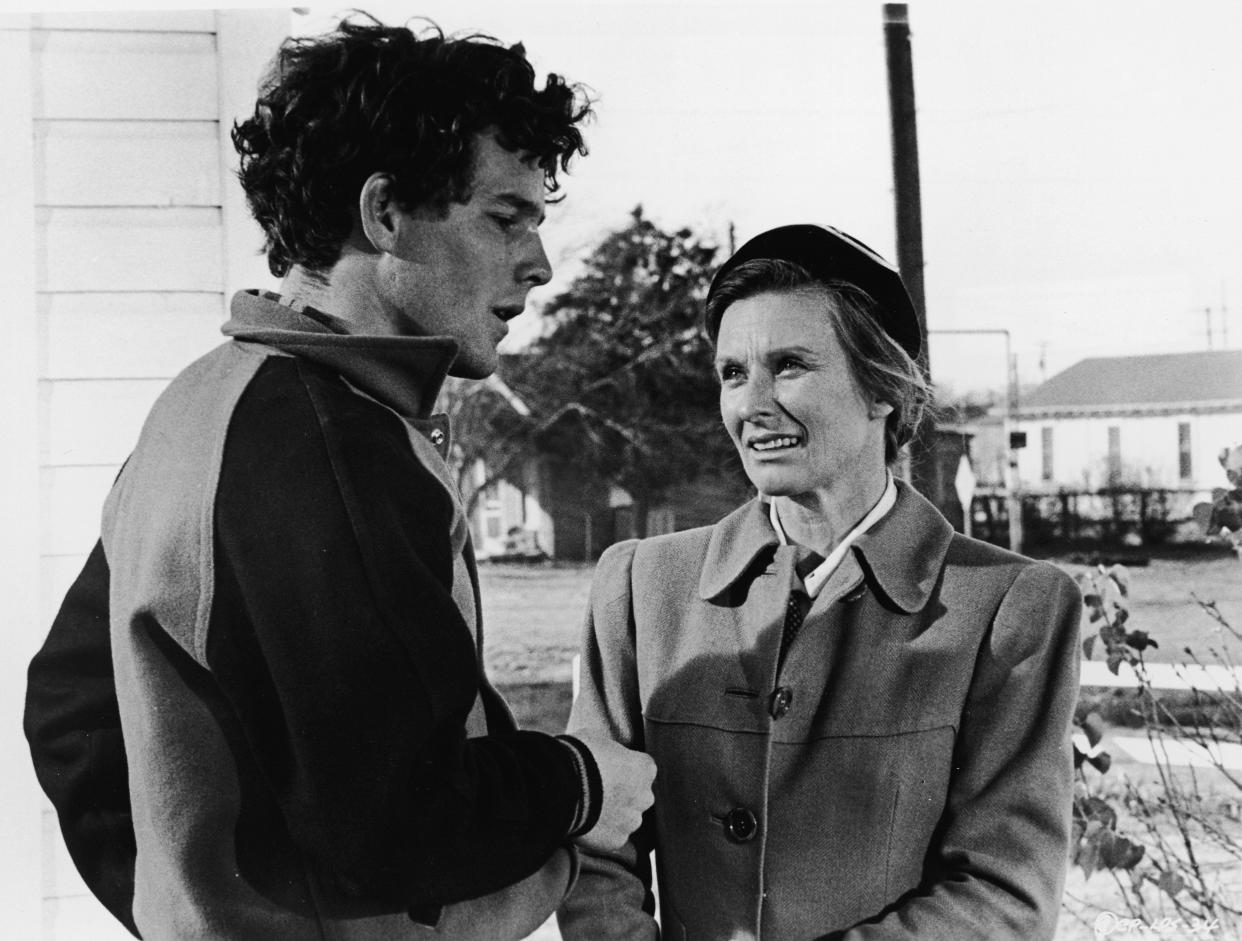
column 125, row 336
column 93, row 422
column 20, row 801
column 133, row 21
column 129, row 249
column 127, row 163
column 132, row 229
column 115, row 75
column 72, row 499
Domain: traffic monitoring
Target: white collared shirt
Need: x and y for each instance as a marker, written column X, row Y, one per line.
column 815, row 579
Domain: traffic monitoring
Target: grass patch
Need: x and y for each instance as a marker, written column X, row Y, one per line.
column 1162, row 602
column 532, row 619
column 533, row 614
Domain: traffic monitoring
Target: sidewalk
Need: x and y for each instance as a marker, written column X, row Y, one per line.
column 1139, row 748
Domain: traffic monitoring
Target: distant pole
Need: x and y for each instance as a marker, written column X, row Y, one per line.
column 1207, row 320
column 1013, row 499
column 1224, row 319
column 908, row 202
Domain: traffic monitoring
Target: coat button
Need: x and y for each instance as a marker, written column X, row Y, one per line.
column 740, row 825
column 437, row 437
column 782, row 699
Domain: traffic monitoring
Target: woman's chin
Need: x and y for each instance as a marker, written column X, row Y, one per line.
column 769, row 488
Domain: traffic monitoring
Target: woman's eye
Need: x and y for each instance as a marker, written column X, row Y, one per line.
column 729, row 373
column 788, row 365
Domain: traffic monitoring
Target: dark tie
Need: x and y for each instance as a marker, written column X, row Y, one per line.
column 799, row 601
column 795, row 612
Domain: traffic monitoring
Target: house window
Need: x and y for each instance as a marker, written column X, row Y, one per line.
column 1045, row 447
column 1114, row 455
column 1185, row 469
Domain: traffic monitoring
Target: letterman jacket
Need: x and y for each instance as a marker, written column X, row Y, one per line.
column 313, row 748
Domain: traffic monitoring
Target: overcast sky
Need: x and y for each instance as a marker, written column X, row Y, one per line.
column 1078, row 158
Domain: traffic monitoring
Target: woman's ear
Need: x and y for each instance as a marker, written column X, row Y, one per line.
column 880, row 409
column 379, row 213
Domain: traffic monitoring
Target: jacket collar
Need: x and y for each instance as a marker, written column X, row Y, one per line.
column 904, row 552
column 734, row 545
column 404, row 373
column 901, row 555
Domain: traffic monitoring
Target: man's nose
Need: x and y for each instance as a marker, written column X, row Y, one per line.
column 534, row 268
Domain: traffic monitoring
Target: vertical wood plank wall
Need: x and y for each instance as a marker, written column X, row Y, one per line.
column 20, row 803
column 135, row 234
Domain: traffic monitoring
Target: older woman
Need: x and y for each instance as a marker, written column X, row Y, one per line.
column 860, row 718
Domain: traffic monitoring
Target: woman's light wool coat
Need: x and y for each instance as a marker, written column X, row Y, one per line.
column 919, row 783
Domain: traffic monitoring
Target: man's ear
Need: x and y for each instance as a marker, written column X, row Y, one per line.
column 379, row 213
column 880, row 409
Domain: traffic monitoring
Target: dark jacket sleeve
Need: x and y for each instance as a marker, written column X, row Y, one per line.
column 74, row 729
column 1005, row 831
column 335, row 638
column 613, row 898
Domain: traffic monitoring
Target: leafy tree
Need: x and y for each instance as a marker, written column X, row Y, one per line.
column 620, row 387
column 624, row 376
column 492, row 429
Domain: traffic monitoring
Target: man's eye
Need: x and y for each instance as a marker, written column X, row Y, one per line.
column 505, row 222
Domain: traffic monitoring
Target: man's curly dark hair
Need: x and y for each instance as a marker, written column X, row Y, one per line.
column 369, row 98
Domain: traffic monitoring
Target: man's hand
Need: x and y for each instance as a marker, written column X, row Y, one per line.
column 627, row 777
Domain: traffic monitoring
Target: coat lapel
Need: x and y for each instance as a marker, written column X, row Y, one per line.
column 903, row 554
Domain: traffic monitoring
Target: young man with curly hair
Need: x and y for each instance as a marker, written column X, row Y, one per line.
column 311, row 747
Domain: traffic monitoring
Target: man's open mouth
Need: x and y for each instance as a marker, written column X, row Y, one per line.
column 508, row 313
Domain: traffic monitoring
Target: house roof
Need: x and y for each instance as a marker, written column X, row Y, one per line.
column 1211, row 379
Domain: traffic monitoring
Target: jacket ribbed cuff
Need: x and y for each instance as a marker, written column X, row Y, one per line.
column 591, row 802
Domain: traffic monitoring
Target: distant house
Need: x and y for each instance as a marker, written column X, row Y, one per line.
column 506, row 510
column 541, row 507
column 1157, row 421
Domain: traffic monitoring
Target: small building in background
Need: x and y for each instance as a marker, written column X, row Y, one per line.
column 1119, row 450
column 1154, row 422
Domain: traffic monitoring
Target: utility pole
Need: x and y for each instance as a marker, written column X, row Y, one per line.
column 924, row 467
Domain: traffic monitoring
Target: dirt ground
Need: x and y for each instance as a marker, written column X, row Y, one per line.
column 532, row 616
column 533, row 613
column 1162, row 602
